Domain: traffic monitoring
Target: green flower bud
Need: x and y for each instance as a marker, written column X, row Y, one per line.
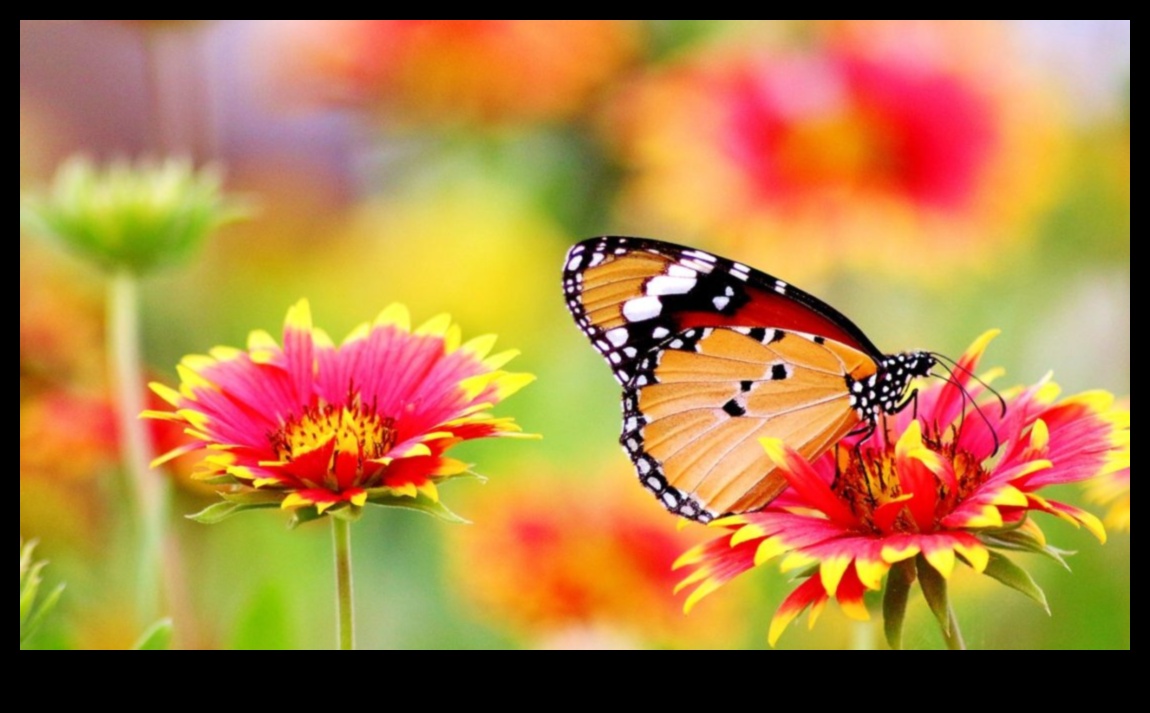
column 131, row 217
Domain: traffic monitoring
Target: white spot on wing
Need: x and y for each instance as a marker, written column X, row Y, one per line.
column 720, row 302
column 641, row 308
column 575, row 262
column 659, row 332
column 596, row 259
column 617, row 336
column 681, row 271
column 668, row 285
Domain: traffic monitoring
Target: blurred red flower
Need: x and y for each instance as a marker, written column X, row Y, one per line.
column 814, row 159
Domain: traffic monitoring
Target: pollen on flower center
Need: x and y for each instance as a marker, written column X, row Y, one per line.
column 870, row 483
column 354, row 430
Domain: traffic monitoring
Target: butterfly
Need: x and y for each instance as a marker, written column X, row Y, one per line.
column 714, row 355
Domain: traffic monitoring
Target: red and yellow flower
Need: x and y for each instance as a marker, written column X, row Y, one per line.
column 319, row 428
column 860, row 158
column 948, row 485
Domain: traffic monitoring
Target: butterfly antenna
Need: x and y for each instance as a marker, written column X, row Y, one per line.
column 951, row 366
column 959, row 367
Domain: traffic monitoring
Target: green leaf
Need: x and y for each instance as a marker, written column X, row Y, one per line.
column 421, row 503
column 26, row 550
column 894, row 602
column 1015, row 577
column 933, row 587
column 28, row 627
column 29, row 587
column 156, row 637
column 221, row 511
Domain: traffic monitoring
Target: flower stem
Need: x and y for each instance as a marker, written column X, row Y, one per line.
column 953, row 637
column 344, row 601
column 149, row 491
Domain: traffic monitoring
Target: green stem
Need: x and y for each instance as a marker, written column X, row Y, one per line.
column 149, row 490
column 953, row 637
column 344, row 601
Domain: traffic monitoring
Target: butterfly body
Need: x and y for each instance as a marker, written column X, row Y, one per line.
column 714, row 355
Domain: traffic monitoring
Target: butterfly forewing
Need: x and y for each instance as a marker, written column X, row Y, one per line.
column 629, row 294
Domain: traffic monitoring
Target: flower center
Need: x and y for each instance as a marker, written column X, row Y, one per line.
column 352, row 431
column 868, row 480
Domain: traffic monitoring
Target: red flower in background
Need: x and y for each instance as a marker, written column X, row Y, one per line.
column 580, row 563
column 839, row 157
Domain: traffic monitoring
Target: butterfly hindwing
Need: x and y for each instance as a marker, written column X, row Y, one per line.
column 701, row 400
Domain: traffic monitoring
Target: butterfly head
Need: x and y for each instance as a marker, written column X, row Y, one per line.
column 883, row 391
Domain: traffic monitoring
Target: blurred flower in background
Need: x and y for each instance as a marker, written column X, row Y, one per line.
column 836, row 155
column 955, row 487
column 132, row 217
column 480, row 72
column 67, row 442
column 61, row 322
column 1112, row 488
column 565, row 562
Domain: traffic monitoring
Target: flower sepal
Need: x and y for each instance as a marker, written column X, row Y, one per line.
column 217, row 512
column 225, row 479
column 934, row 590
column 1000, row 567
column 894, row 601
column 1025, row 539
column 421, row 502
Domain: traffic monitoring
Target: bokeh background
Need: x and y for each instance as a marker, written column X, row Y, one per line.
column 931, row 180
